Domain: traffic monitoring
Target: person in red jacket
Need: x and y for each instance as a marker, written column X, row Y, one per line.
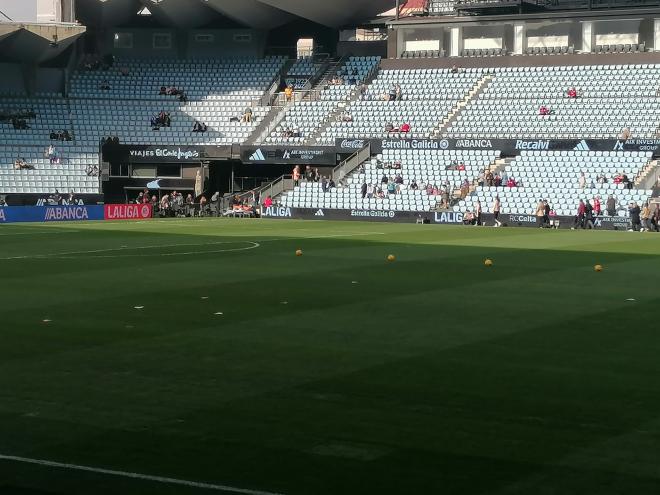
column 405, row 127
column 544, row 110
column 268, row 202
column 597, row 209
column 572, row 93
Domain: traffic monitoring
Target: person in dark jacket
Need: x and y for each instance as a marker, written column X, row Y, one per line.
column 364, row 190
column 588, row 215
column 610, row 206
column 635, row 211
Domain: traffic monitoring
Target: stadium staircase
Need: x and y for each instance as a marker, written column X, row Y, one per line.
column 453, row 115
column 648, row 176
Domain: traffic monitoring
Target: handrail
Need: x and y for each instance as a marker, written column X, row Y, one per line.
column 351, row 163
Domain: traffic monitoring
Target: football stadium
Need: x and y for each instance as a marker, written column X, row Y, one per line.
column 295, row 247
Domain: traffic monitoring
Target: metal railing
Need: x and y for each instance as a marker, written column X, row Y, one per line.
column 351, row 163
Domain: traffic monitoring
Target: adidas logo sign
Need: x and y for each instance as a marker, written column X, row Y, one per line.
column 582, row 146
column 319, row 213
column 257, row 156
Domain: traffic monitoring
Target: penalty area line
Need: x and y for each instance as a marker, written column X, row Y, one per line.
column 138, row 476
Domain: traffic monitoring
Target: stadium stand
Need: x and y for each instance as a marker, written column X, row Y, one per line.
column 217, row 93
column 555, row 176
column 303, row 119
column 433, row 172
column 427, row 96
column 610, row 98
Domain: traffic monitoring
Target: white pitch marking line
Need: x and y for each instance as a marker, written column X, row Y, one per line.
column 138, row 476
column 253, row 245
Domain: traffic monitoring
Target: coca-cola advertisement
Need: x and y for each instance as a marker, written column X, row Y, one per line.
column 127, row 212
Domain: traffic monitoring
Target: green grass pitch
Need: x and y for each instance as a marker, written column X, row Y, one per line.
column 335, row 372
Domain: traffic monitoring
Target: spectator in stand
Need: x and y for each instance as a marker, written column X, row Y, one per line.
column 540, row 213
column 454, row 69
column 468, row 218
column 497, row 207
column 460, row 167
column 199, row 126
column 413, row 185
column 247, row 115
column 397, row 93
column 391, row 188
column 405, row 127
column 309, row 173
column 625, row 134
column 389, row 127
column 392, row 93
column 288, row 92
column 324, row 184
column 140, row 198
column 363, row 190
column 104, row 86
column 268, row 202
column 296, row 175
column 398, row 179
column 582, row 181
column 544, row 111
column 317, row 175
column 610, row 205
column 511, row 183
column 497, row 181
column 597, row 207
column 384, row 179
column 635, row 212
column 490, row 179
column 572, row 93
column 370, row 191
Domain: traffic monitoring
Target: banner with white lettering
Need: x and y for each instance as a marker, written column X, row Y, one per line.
column 127, row 212
column 505, row 146
column 11, row 214
column 301, row 155
column 130, row 153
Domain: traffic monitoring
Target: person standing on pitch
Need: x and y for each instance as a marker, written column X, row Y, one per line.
column 540, row 213
column 497, row 206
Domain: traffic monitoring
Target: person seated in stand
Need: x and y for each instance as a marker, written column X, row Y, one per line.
column 295, row 133
column 391, row 188
column 405, row 128
column 625, row 134
column 389, row 127
column 66, row 136
column 454, row 69
column 104, row 86
column 544, row 111
column 413, row 185
column 182, row 97
column 247, row 115
column 398, row 95
column 346, row 117
column 497, row 180
column 460, row 167
column 154, row 123
column 572, row 93
column 199, row 126
column 511, row 182
column 163, row 90
column 167, row 122
column 392, row 93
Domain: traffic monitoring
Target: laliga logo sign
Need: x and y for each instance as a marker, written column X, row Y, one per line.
column 277, row 211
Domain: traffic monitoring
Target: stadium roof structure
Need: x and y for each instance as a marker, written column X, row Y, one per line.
column 258, row 14
column 23, row 42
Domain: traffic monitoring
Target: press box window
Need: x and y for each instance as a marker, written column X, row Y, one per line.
column 204, row 38
column 243, row 38
column 119, row 170
column 162, row 41
column 123, row 40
